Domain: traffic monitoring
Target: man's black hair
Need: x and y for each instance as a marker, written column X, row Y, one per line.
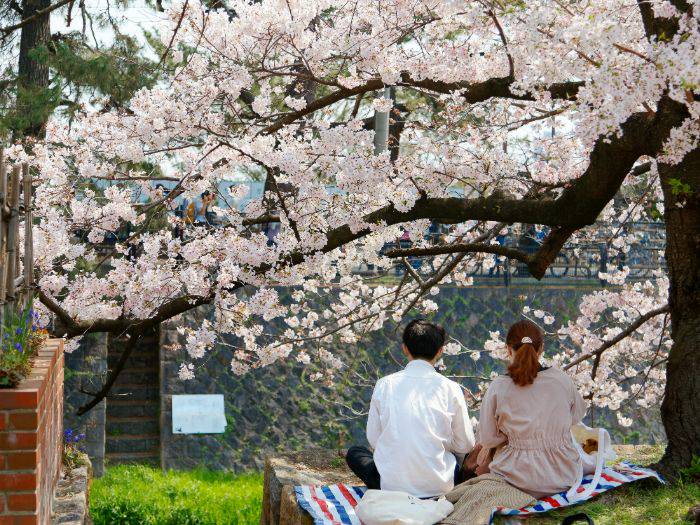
column 423, row 339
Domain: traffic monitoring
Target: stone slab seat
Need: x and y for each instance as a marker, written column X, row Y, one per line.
column 313, row 466
column 318, row 466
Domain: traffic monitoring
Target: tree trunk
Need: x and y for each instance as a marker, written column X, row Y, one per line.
column 680, row 409
column 33, row 75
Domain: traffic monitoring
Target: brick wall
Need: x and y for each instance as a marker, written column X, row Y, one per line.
column 31, row 440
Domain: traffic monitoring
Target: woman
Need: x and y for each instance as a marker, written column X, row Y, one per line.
column 527, row 416
column 202, row 208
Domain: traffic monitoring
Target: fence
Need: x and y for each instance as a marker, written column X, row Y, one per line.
column 15, row 286
column 583, row 263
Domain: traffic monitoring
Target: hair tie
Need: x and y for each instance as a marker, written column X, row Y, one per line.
column 526, row 340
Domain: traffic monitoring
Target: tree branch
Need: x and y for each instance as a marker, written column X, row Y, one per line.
column 469, row 247
column 647, row 13
column 619, row 337
column 172, row 38
column 166, row 311
column 113, row 374
column 549, row 250
column 471, row 92
column 38, row 14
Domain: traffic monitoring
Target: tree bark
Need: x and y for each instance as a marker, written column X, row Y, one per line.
column 33, row 75
column 680, row 409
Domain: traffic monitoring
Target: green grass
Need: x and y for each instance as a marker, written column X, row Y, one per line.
column 641, row 502
column 645, row 501
column 141, row 495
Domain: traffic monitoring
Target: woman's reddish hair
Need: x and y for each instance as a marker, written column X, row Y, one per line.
column 526, row 364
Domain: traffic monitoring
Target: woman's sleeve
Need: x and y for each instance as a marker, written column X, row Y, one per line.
column 579, row 407
column 489, row 435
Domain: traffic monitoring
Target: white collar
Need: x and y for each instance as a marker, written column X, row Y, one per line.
column 419, row 367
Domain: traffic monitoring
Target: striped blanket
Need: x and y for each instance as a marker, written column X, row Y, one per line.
column 335, row 504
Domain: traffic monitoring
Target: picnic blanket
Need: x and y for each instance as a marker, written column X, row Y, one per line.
column 335, row 504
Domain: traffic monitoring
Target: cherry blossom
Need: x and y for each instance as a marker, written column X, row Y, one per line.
column 492, row 101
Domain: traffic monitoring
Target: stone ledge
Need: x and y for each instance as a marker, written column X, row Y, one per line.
column 315, row 466
column 71, row 501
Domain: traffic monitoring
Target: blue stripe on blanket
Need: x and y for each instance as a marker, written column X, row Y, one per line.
column 335, row 504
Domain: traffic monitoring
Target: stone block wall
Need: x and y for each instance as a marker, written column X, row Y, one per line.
column 278, row 409
column 132, row 417
column 86, row 368
column 31, row 440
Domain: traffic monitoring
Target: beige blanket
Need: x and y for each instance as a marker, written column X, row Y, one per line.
column 475, row 499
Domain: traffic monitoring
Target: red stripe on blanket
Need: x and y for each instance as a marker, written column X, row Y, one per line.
column 608, row 477
column 322, row 504
column 343, row 489
column 554, row 503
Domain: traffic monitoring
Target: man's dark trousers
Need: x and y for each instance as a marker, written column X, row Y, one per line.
column 361, row 462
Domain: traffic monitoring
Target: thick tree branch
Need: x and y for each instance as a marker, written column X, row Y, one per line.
column 647, row 13
column 38, row 14
column 166, row 311
column 655, row 27
column 113, row 374
column 619, row 337
column 549, row 250
column 467, row 247
column 471, row 92
column 537, row 263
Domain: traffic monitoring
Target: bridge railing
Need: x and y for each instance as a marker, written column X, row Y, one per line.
column 646, row 254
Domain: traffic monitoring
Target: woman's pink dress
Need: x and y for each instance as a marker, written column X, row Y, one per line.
column 531, row 425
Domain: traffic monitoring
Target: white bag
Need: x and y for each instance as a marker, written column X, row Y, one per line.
column 389, row 507
column 592, row 463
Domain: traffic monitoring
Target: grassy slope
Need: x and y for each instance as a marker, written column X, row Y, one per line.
column 129, row 495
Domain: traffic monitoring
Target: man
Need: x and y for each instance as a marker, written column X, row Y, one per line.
column 418, row 423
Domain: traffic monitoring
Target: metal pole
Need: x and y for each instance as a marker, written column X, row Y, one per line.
column 3, row 262
column 381, row 127
column 12, row 237
column 28, row 240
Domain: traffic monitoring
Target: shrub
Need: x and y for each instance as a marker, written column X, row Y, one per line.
column 21, row 338
column 142, row 495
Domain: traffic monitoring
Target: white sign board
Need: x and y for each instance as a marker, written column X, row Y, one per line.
column 198, row 414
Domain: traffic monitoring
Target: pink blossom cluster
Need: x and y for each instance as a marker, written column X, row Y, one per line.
column 282, row 90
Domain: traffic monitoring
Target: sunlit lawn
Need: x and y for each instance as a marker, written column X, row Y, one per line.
column 141, row 495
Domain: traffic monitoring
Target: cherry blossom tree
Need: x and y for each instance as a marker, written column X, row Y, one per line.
column 284, row 91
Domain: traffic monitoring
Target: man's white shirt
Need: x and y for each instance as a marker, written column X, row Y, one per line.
column 418, row 421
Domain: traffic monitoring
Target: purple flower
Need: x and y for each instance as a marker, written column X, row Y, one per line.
column 18, row 347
